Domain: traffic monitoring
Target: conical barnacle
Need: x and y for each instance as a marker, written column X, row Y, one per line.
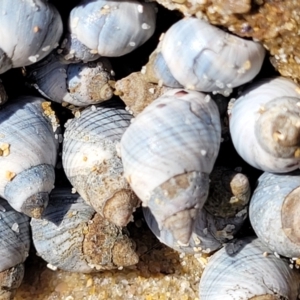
column 28, row 151
column 14, row 248
column 245, row 269
column 264, row 125
column 199, row 56
column 73, row 237
column 30, row 31
column 221, row 217
column 92, row 164
column 80, row 84
column 168, row 153
column 112, row 28
column 274, row 212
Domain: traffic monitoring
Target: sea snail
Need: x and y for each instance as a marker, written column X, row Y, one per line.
column 30, row 30
column 110, row 28
column 71, row 236
column 223, row 214
column 205, row 58
column 168, row 152
column 14, row 247
column 80, row 84
column 245, row 269
column 28, row 149
column 91, row 162
column 274, row 212
column 264, row 125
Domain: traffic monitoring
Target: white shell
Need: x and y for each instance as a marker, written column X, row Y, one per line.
column 78, row 84
column 28, row 154
column 241, row 271
column 168, row 153
column 30, row 30
column 265, row 125
column 112, row 28
column 274, row 212
column 202, row 57
column 220, row 218
column 72, row 237
column 91, row 162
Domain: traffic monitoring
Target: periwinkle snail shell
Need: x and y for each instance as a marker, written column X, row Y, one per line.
column 112, row 28
column 28, row 151
column 274, row 212
column 222, row 216
column 30, row 31
column 168, row 153
column 14, row 247
column 73, row 237
column 202, row 57
column 264, row 125
column 92, row 164
column 79, row 84
column 245, row 269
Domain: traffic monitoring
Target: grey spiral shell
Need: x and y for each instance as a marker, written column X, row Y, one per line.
column 92, row 164
column 80, row 84
column 274, row 212
column 30, row 31
column 28, row 151
column 168, row 153
column 73, row 237
column 244, row 269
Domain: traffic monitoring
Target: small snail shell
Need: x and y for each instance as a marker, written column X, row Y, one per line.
column 78, row 84
column 219, row 220
column 14, row 248
column 168, row 153
column 274, row 212
column 202, row 57
column 245, row 270
column 91, row 162
column 112, row 28
column 28, row 151
column 30, row 31
column 73, row 237
column 265, row 125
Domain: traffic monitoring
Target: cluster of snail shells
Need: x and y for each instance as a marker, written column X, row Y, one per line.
column 73, row 237
column 14, row 248
column 29, row 137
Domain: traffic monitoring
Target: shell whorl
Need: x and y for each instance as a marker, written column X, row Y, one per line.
column 29, row 156
column 241, row 271
column 92, row 165
column 73, row 237
column 265, row 125
column 168, row 152
column 274, row 210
